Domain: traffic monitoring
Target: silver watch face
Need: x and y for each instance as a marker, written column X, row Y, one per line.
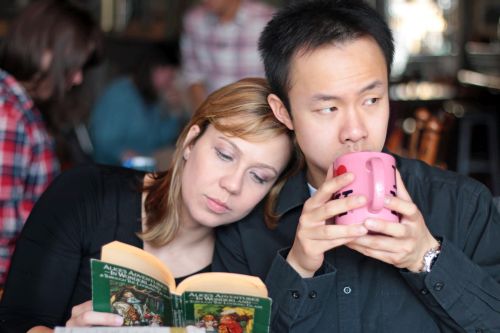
column 429, row 258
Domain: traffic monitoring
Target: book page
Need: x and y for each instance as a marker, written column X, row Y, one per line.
column 139, row 260
column 229, row 283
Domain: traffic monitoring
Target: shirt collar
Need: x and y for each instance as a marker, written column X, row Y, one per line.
column 294, row 193
column 240, row 18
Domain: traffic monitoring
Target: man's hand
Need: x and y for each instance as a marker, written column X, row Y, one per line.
column 314, row 237
column 400, row 244
column 82, row 315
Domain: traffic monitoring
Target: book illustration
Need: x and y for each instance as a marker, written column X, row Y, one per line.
column 221, row 319
column 139, row 299
column 136, row 285
column 137, row 307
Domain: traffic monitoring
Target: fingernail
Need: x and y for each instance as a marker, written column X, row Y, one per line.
column 361, row 199
column 371, row 223
column 119, row 320
column 387, row 200
column 348, row 176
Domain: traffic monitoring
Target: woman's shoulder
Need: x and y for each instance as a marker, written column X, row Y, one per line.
column 98, row 177
column 14, row 96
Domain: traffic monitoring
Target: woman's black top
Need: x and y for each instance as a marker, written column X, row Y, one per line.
column 82, row 210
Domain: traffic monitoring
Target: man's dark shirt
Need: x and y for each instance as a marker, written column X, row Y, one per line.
column 354, row 293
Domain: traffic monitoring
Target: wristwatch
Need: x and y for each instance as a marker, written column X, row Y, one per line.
column 430, row 257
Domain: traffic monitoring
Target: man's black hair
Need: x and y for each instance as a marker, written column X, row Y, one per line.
column 308, row 24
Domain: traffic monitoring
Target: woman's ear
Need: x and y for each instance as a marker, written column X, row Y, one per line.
column 191, row 136
column 280, row 111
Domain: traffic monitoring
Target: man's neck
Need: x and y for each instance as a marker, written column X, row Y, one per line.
column 315, row 176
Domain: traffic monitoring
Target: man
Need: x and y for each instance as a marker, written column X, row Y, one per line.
column 219, row 44
column 328, row 63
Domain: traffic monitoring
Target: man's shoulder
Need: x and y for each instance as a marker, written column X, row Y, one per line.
column 418, row 174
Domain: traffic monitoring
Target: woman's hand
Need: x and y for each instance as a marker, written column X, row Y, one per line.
column 82, row 315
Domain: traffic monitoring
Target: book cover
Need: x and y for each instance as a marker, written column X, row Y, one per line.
column 138, row 298
column 215, row 302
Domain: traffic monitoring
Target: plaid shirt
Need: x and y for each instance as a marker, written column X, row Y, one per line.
column 217, row 54
column 27, row 163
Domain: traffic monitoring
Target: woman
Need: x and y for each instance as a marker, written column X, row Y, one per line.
column 229, row 156
column 42, row 57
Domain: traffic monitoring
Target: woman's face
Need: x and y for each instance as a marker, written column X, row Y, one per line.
column 45, row 89
column 225, row 177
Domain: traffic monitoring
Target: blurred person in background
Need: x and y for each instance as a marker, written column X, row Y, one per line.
column 141, row 114
column 41, row 59
column 219, row 44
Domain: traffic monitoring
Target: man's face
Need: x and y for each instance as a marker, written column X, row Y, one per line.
column 339, row 102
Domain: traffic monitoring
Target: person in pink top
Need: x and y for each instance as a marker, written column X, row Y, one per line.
column 219, row 44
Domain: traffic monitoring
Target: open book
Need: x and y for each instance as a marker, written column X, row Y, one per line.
column 137, row 285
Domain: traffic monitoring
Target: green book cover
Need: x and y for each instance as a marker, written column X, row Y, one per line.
column 138, row 298
column 219, row 312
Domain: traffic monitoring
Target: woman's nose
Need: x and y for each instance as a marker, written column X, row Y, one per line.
column 77, row 78
column 232, row 182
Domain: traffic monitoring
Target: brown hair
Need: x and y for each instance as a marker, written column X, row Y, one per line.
column 61, row 27
column 240, row 110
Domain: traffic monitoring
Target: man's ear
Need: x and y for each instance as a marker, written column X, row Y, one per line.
column 279, row 110
column 193, row 133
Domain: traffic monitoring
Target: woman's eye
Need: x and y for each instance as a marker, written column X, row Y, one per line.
column 222, row 156
column 259, row 179
column 328, row 110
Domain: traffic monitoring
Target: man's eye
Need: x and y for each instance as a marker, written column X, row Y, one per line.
column 328, row 110
column 371, row 101
column 223, row 156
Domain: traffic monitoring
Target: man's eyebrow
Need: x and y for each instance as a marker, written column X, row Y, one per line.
column 375, row 84
column 260, row 165
column 326, row 97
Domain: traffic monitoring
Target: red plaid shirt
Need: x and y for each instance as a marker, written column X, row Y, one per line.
column 27, row 163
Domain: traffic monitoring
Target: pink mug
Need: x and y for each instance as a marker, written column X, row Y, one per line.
column 375, row 178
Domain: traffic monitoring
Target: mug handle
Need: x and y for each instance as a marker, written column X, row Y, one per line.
column 378, row 184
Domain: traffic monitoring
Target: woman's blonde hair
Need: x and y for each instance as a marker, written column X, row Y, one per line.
column 239, row 110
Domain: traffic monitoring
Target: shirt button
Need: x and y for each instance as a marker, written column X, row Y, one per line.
column 347, row 290
column 424, row 291
column 295, row 294
column 438, row 286
column 313, row 294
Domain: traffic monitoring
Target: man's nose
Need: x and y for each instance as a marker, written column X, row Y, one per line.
column 353, row 128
